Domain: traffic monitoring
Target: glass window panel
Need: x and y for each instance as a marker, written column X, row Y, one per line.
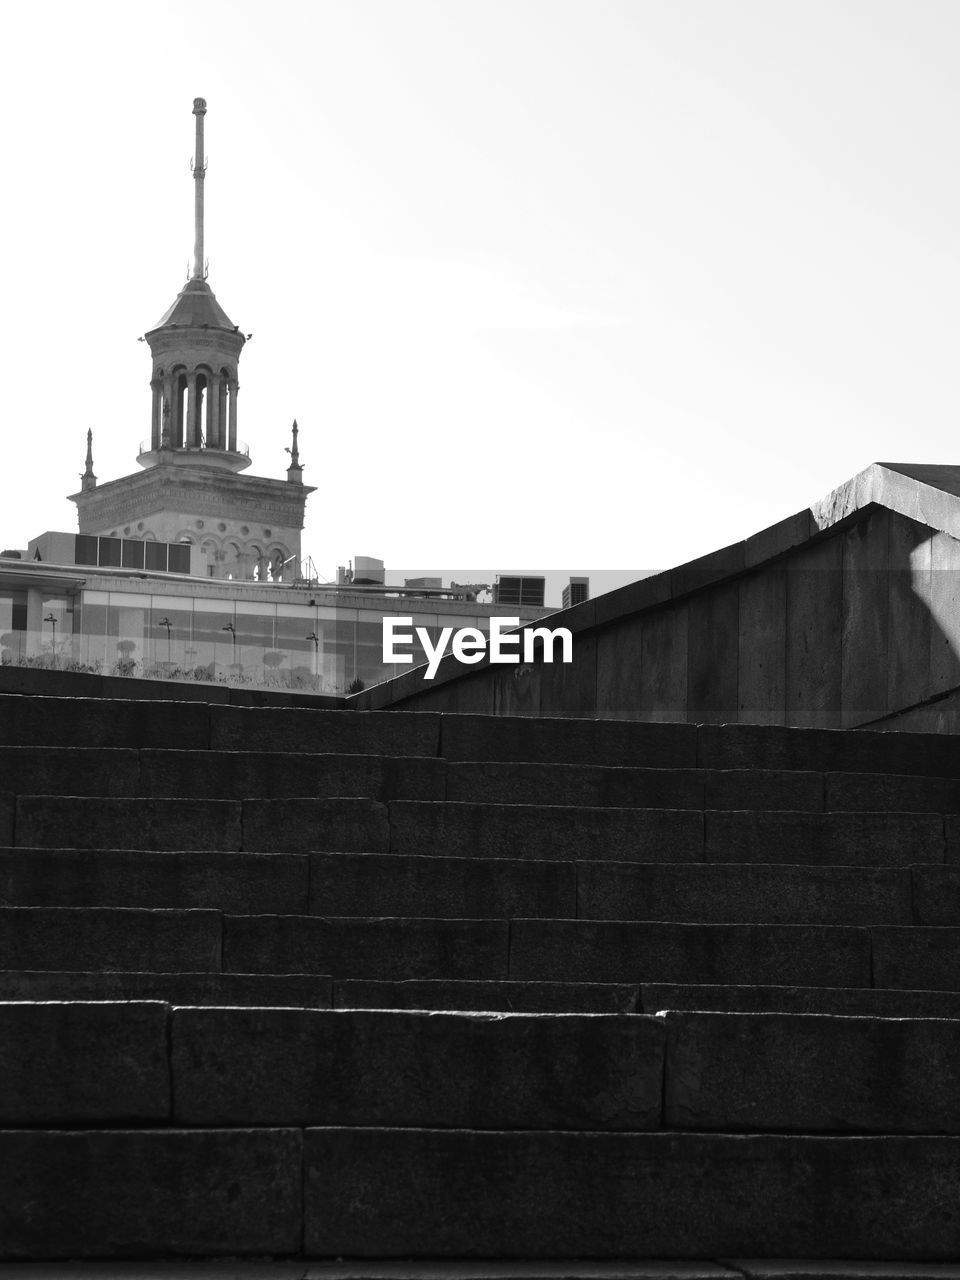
column 109, row 552
column 293, row 632
column 156, row 556
column 85, row 549
column 255, row 628
column 179, row 558
column 131, row 553
column 212, row 642
column 170, row 632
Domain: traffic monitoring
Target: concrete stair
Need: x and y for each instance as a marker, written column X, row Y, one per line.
column 325, row 984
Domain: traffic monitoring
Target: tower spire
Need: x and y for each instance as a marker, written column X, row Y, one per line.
column 199, row 173
column 295, row 470
column 88, row 480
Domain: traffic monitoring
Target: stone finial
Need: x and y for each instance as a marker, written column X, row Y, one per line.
column 295, row 470
column 88, row 480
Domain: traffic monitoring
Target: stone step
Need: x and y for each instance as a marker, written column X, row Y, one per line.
column 804, row 1073
column 104, row 722
column 261, row 990
column 669, row 835
column 733, row 746
column 468, row 1194
column 345, row 884
column 107, row 1063
column 655, row 1195
column 150, row 1192
column 105, row 938
column 104, row 1064
column 744, row 788
column 872, row 1002
column 238, row 775
column 497, row 997
column 458, row 1269
column 191, row 725
column 446, row 828
column 527, row 950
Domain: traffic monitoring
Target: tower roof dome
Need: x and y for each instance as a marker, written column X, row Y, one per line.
column 195, row 306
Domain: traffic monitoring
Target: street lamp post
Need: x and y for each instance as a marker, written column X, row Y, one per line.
column 316, row 653
column 52, row 619
column 165, row 622
column 233, row 636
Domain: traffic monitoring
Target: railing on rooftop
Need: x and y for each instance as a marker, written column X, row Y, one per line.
column 229, row 661
column 146, row 446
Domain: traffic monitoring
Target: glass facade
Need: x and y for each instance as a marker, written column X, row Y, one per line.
column 320, row 647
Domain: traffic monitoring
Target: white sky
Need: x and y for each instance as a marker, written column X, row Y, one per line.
column 546, row 283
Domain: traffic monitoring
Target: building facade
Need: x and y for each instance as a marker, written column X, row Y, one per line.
column 191, row 567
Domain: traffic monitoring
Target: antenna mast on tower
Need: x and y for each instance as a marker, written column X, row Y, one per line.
column 199, row 167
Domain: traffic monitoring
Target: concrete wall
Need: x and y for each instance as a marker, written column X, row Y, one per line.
column 854, row 625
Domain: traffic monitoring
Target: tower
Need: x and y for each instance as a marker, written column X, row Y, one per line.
column 190, row 489
column 196, row 349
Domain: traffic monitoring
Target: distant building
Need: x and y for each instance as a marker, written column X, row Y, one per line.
column 191, row 569
column 575, row 592
column 191, row 489
column 516, row 591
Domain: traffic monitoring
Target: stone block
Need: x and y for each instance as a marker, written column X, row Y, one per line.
column 762, row 647
column 891, row 792
column 393, row 949
column 105, row 938
column 150, row 1193
column 929, row 755
column 845, row 1001
column 504, row 997
column 545, row 832
column 75, row 1063
column 258, row 989
column 775, row 789
column 707, row 570
column 73, row 771
column 561, row 741
column 570, row 784
column 626, row 601
column 237, row 882
column 87, row 822
column 618, row 1195
column 448, row 1070
column 825, row 839
column 951, row 836
column 620, row 951
column 8, row 816
column 808, row 1074
column 664, row 665
column 299, row 826
column 936, row 895
column 777, row 539
column 917, row 958
column 713, row 652
column 740, row 746
column 242, row 775
column 344, row 884
column 744, row 894
column 569, row 689
column 97, row 722
column 390, row 733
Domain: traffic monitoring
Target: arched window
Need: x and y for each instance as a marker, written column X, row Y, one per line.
column 204, row 382
column 178, row 409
